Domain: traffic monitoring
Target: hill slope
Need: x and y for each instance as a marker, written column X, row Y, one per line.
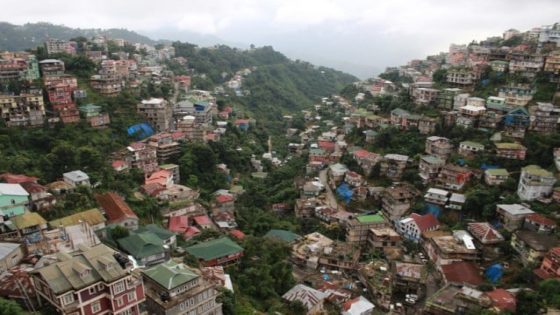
column 31, row 35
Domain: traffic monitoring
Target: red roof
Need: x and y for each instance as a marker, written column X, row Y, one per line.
column 118, row 164
column 178, row 135
column 153, row 189
column 462, row 272
column 178, row 224
column 540, row 219
column 484, row 232
column 237, row 234
column 503, row 300
column 160, row 177
column 425, row 222
column 116, row 209
column 202, row 220
column 17, row 178
column 326, row 145
column 224, row 198
column 33, row 187
column 191, row 231
column 241, row 122
column 228, row 109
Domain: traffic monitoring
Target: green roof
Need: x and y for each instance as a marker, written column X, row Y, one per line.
column 214, row 249
column 497, row 172
column 282, row 235
column 509, row 146
column 160, row 232
column 171, row 274
column 142, row 244
column 370, row 218
column 92, row 217
column 28, row 219
column 432, row 159
column 537, row 171
column 473, row 144
column 260, row 175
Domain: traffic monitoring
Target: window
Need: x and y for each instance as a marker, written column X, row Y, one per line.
column 118, row 287
column 182, row 306
column 68, row 298
column 131, row 296
column 100, row 287
column 91, row 290
column 96, row 307
column 120, row 301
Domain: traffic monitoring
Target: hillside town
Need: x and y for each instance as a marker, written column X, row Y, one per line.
column 431, row 189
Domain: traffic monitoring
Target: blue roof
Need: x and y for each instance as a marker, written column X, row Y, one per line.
column 345, row 192
column 140, row 131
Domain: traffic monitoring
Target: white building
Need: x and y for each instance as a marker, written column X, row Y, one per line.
column 76, row 178
column 535, row 182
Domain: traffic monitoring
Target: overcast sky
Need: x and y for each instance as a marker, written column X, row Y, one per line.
column 359, row 36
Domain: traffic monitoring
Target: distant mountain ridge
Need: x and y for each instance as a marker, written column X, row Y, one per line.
column 30, row 35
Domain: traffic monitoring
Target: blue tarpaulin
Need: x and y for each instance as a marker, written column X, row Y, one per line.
column 140, row 131
column 345, row 192
column 433, row 209
column 488, row 167
column 494, row 273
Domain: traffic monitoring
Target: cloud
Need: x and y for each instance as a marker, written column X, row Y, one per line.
column 372, row 33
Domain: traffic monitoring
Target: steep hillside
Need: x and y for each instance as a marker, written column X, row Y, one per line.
column 277, row 85
column 31, row 35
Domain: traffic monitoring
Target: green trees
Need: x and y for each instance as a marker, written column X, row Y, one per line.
column 8, row 307
column 440, row 76
column 264, row 273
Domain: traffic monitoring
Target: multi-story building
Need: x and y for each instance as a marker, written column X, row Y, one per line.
column 59, row 46
column 535, row 182
column 177, row 289
column 532, row 246
column 425, row 96
column 429, row 167
column 512, row 216
column 415, row 225
column 499, row 65
column 546, row 117
column 437, row 196
column 143, row 157
column 552, row 62
column 22, row 110
column 357, row 229
column 397, row 201
column 550, row 266
column 157, row 112
column 447, row 249
column 457, row 55
column 192, row 130
column 202, row 111
column 464, row 77
column 517, row 95
column 453, row 177
column 438, row 146
column 94, row 280
column 94, row 116
column 51, row 67
column 166, row 147
column 510, row 150
column 446, row 97
column 496, row 176
column 470, row 148
column 393, row 165
column 527, row 67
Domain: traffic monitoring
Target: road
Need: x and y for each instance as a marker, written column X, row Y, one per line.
column 330, row 196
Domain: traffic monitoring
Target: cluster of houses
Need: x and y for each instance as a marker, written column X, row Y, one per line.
column 79, row 263
column 378, row 224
